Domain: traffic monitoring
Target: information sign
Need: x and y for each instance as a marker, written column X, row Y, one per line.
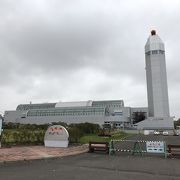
column 0, row 126
column 155, row 146
column 56, row 136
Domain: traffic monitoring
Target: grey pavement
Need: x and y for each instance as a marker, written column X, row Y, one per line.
column 94, row 166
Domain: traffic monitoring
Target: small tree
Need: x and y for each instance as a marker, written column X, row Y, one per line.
column 177, row 123
column 74, row 134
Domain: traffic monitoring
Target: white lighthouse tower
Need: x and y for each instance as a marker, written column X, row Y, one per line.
column 157, row 89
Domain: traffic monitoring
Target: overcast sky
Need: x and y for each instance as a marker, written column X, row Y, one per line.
column 72, row 50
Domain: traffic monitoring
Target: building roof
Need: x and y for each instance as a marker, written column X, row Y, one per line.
column 23, row 107
column 90, row 103
column 74, row 104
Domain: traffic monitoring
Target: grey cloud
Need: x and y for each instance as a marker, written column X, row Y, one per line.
column 64, row 45
column 74, row 50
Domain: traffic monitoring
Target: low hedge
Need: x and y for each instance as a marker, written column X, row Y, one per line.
column 13, row 137
column 34, row 134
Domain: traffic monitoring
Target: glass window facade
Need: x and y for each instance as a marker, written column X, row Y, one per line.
column 115, row 103
column 67, row 112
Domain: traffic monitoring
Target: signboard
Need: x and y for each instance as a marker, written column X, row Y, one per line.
column 56, row 136
column 0, row 126
column 155, row 146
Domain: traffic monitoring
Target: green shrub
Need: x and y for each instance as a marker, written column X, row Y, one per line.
column 76, row 131
column 177, row 123
column 87, row 128
column 25, row 126
column 60, row 123
column 21, row 136
column 74, row 134
column 15, row 133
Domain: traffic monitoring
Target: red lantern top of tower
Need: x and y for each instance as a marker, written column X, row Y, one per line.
column 153, row 32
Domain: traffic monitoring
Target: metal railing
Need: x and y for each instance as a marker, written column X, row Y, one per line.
column 140, row 147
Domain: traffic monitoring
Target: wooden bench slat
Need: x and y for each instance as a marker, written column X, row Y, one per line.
column 174, row 149
column 98, row 146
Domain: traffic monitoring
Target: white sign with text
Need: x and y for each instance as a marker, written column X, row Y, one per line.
column 155, row 146
column 0, row 126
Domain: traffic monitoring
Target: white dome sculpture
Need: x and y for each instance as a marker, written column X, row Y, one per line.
column 56, row 136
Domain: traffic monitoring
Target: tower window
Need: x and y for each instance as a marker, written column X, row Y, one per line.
column 148, row 53
column 155, row 52
column 161, row 52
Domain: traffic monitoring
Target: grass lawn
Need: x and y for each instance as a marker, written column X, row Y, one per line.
column 94, row 137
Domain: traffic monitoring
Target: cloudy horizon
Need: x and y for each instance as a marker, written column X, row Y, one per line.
column 80, row 50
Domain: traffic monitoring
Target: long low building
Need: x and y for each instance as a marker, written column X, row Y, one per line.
column 101, row 112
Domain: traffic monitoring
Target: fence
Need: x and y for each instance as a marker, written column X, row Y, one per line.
column 140, row 147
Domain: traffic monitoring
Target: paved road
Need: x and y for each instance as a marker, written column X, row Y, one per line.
column 93, row 166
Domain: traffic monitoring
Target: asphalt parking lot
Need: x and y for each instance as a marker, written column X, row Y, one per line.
column 97, row 166
column 94, row 166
